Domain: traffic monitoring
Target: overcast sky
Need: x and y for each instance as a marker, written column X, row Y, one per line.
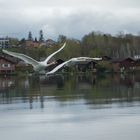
column 73, row 18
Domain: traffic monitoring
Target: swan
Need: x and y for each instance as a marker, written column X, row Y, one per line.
column 37, row 65
column 72, row 61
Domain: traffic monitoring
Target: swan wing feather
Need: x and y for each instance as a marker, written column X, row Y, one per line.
column 23, row 57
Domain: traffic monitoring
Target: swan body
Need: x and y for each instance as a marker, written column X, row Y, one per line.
column 37, row 65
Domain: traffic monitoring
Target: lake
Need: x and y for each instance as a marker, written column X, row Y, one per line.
column 74, row 107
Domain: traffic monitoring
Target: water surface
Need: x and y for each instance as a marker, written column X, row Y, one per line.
column 75, row 107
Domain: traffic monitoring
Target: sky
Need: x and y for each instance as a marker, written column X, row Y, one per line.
column 73, row 18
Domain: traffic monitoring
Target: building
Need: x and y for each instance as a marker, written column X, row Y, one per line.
column 138, row 64
column 137, row 57
column 121, row 65
column 4, row 42
column 6, row 66
column 36, row 44
column 84, row 66
column 50, row 43
column 32, row 44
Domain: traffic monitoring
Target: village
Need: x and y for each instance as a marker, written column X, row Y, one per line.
column 12, row 65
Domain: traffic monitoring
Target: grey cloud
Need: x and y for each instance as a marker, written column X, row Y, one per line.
column 71, row 18
column 69, row 3
column 79, row 24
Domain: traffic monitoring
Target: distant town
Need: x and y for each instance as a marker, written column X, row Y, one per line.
column 9, row 42
column 119, row 53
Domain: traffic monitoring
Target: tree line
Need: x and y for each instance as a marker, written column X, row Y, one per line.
column 94, row 44
column 97, row 44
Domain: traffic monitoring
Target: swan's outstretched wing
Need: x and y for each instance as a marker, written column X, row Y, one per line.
column 23, row 57
column 88, row 59
column 50, row 56
column 73, row 60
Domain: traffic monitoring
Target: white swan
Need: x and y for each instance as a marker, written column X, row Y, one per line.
column 38, row 66
column 72, row 61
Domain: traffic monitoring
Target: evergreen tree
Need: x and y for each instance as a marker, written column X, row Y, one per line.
column 61, row 38
column 36, row 39
column 41, row 37
column 30, row 36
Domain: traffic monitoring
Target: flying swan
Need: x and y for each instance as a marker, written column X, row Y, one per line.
column 71, row 62
column 37, row 65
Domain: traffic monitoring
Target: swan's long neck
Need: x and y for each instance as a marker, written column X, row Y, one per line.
column 50, row 56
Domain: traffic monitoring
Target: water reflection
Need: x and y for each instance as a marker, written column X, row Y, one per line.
column 91, row 89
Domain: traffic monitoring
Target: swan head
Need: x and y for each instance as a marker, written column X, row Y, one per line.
column 52, row 63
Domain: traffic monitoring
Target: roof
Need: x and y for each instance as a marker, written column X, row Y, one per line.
column 50, row 43
column 122, row 59
column 7, row 59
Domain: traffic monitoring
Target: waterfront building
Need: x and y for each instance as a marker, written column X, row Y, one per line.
column 121, row 65
column 6, row 66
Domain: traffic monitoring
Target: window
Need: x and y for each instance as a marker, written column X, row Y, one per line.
column 6, row 65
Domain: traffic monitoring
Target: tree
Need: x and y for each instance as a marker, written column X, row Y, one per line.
column 30, row 36
column 14, row 42
column 36, row 39
column 41, row 37
column 61, row 38
column 22, row 42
